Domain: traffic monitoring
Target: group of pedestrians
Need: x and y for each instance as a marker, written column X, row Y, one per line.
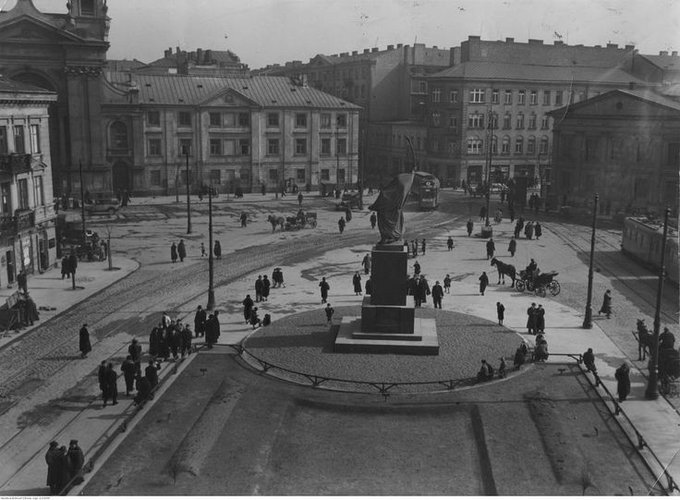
column 178, row 250
column 531, row 228
column 64, row 466
column 622, row 374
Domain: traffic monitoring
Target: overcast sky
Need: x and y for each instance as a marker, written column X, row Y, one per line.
column 262, row 32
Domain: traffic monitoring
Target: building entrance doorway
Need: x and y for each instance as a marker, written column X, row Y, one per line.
column 9, row 258
column 121, row 177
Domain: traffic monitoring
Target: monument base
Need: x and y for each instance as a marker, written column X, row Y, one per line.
column 423, row 340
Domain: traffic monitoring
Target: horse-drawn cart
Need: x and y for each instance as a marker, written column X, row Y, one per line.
column 538, row 284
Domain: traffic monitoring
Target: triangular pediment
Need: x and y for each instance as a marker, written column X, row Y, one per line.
column 319, row 60
column 229, row 97
column 624, row 104
column 27, row 29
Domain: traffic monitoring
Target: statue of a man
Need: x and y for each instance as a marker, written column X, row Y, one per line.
column 389, row 206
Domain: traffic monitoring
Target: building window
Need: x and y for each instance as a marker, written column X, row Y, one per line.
column 436, row 95
column 546, row 98
column 474, row 146
column 507, row 121
column 558, row 97
column 155, row 147
column 325, row 120
column 325, row 146
column 300, row 120
column 244, row 119
column 453, row 96
column 453, row 121
column 5, row 198
column 531, row 145
column 521, row 97
column 477, row 95
column 119, row 138
column 476, row 120
column 422, row 86
column 35, row 138
column 341, row 146
column 273, row 120
column 185, row 146
column 435, row 118
column 300, row 176
column 451, row 147
column 215, row 119
column 494, row 145
column 532, row 121
column 545, row 122
column 533, row 98
column 341, row 120
column 274, row 176
column 215, row 147
column 244, row 146
column 19, row 139
column 3, row 140
column 325, row 174
column 519, row 145
column 155, row 177
column 495, row 96
column 216, row 176
column 505, row 145
column 507, row 97
column 494, row 121
column 87, row 7
column 520, row 121
column 301, row 145
column 22, row 192
column 39, row 190
column 273, row 147
column 153, row 118
column 184, row 119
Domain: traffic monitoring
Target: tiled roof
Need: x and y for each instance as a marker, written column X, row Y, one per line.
column 664, row 62
column 266, row 91
column 539, row 73
column 14, row 87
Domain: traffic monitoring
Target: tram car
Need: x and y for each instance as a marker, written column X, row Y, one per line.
column 426, row 190
column 642, row 240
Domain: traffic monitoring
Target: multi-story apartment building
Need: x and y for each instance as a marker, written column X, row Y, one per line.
column 624, row 144
column 27, row 217
column 197, row 63
column 240, row 132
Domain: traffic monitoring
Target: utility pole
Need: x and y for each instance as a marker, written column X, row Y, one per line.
column 186, row 155
column 82, row 197
column 588, row 320
column 211, row 291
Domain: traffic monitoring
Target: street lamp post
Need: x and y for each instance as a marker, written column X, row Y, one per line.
column 82, row 197
column 211, row 291
column 488, row 168
column 588, row 320
column 186, row 155
column 652, row 391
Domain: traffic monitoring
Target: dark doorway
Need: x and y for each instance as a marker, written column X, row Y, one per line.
column 9, row 257
column 120, row 174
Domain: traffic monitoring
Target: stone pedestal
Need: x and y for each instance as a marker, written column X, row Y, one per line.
column 388, row 322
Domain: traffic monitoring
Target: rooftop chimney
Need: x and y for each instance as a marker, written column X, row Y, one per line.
column 612, row 46
column 674, row 53
column 367, row 51
column 434, row 47
column 390, row 47
column 208, row 56
column 533, row 41
column 400, row 45
column 355, row 52
column 343, row 54
column 167, row 53
column 375, row 49
column 507, row 40
column 663, row 52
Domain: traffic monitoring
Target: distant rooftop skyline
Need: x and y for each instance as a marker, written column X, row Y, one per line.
column 263, row 32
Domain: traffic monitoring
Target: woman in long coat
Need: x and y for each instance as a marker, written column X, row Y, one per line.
column 266, row 286
column 356, row 281
column 247, row 308
column 483, row 282
column 217, row 249
column 622, row 382
column 85, row 345
column 111, row 385
column 173, row 252
column 606, row 304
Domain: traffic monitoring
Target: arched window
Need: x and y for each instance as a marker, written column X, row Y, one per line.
column 519, row 145
column 118, row 136
column 544, row 144
column 531, row 145
column 505, row 145
column 474, row 145
column 494, row 145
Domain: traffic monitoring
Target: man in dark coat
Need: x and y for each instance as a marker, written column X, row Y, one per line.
column 135, row 352
column 22, row 281
column 447, row 284
column 483, row 283
column 186, row 336
column 500, row 311
column 212, row 330
column 217, row 250
column 373, row 219
column 266, row 286
column 470, row 226
column 101, row 377
column 329, row 313
column 512, row 247
column 173, row 252
column 65, row 267
column 422, row 291
column 490, row 249
column 341, row 224
column 437, row 294
column 258, row 289
column 540, row 319
column 606, row 304
column 84, row 345
column 76, row 461
column 154, row 340
column 538, row 229
column 300, row 198
column 247, row 308
column 589, row 360
column 622, row 375
column 356, row 282
column 60, row 470
column 151, row 374
column 73, row 263
column 129, row 371
column 244, row 219
column 449, row 243
column 324, row 286
column 111, row 385
column 52, row 474
column 423, row 246
column 199, row 321
column 181, row 250
column 531, row 319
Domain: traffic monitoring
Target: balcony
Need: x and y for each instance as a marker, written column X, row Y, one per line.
column 24, row 219
column 15, row 163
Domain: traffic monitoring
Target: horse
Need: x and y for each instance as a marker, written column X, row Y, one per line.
column 276, row 221
column 644, row 338
column 504, row 270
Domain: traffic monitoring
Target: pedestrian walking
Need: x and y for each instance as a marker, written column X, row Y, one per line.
column 622, row 375
column 22, row 281
column 531, row 319
column 199, row 321
column 437, row 294
column 144, row 390
column 470, row 225
column 423, row 246
column 329, row 313
column 52, row 473
column 212, row 329
column 254, row 319
column 173, row 252
column 247, row 308
column 373, row 219
column 101, row 377
column 511, row 211
column 606, row 304
column 84, row 343
column 500, row 311
column 181, row 250
column 203, row 254
column 540, row 319
column 502, row 368
column 421, row 290
column 538, row 230
column 482, row 213
column 341, row 224
column 65, row 270
column 324, row 286
column 300, row 198
column 366, row 262
column 186, row 337
column 135, row 351
column 416, row 268
column 414, row 248
column 483, row 283
column 154, row 340
column 449, row 243
column 76, row 460
column 129, row 373
column 589, row 361
column 244, row 219
column 447, row 284
column 111, row 385
column 490, row 249
column 356, row 282
column 217, row 250
column 512, row 247
column 266, row 286
column 529, row 230
column 520, row 356
column 151, row 374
